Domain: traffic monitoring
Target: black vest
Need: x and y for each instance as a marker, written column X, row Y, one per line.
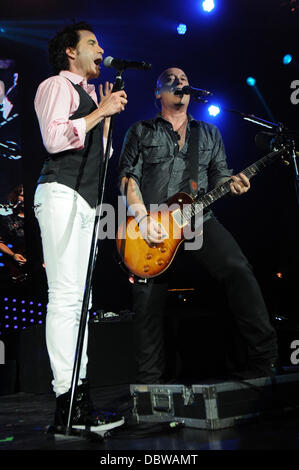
column 78, row 169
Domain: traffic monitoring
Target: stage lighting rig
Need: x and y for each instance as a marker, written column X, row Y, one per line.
column 214, row 110
column 208, row 5
column 287, row 59
column 251, row 81
column 181, row 29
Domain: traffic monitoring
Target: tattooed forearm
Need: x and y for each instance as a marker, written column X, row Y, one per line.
column 136, row 189
column 130, row 189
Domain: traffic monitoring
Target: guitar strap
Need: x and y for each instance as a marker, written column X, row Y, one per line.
column 192, row 154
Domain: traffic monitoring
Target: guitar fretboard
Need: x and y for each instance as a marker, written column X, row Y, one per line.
column 204, row 201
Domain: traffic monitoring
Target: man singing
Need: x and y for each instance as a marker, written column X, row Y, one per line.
column 72, row 125
column 156, row 164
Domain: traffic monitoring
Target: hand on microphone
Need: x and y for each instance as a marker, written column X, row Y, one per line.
column 111, row 103
column 105, row 92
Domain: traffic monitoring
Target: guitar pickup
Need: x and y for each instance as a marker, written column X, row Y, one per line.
column 179, row 218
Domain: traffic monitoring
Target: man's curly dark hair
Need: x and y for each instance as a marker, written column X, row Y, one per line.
column 67, row 37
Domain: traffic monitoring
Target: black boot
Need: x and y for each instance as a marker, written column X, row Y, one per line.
column 83, row 415
column 80, row 412
column 107, row 417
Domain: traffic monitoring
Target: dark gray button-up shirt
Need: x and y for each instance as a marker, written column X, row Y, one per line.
column 151, row 156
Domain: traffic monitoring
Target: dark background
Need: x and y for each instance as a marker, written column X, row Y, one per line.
column 218, row 52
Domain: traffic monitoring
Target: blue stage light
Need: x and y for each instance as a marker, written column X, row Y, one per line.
column 2, row 30
column 251, row 81
column 287, row 59
column 208, row 5
column 182, row 28
column 213, row 110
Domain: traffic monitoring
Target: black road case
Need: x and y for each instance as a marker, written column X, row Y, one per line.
column 214, row 405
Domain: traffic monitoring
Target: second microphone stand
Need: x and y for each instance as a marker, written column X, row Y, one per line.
column 281, row 135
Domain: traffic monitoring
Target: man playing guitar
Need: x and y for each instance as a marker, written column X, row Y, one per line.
column 156, row 164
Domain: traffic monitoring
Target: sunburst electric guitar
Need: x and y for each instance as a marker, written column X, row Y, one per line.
column 149, row 261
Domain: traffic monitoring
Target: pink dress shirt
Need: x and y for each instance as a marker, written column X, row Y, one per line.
column 55, row 102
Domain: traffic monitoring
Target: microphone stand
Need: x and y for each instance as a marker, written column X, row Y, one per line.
column 287, row 135
column 118, row 85
column 277, row 127
column 295, row 168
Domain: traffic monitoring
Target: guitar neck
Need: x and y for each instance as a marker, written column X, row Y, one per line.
column 223, row 189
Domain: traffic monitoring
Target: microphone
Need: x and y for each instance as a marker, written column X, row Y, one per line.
column 189, row 90
column 122, row 64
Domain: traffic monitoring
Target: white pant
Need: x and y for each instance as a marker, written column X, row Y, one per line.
column 66, row 222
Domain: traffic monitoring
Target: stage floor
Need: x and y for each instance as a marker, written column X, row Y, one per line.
column 24, row 417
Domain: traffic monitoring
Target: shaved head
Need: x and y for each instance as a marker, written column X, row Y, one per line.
column 168, row 78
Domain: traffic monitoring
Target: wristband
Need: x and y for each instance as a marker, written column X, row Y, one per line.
column 140, row 220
